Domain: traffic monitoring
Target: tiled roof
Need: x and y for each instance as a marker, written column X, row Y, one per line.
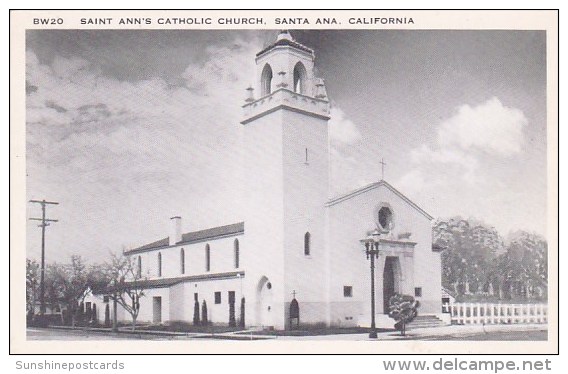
column 158, row 243
column 194, row 236
column 167, row 282
column 213, row 232
column 284, row 42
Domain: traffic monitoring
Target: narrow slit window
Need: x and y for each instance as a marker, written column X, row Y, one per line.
column 236, row 249
column 307, row 244
column 207, row 258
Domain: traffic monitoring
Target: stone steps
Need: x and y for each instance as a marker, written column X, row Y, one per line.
column 425, row 322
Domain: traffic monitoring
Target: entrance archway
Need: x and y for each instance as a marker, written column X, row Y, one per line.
column 264, row 313
column 391, row 284
column 294, row 313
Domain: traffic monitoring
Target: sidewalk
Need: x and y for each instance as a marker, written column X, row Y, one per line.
column 428, row 333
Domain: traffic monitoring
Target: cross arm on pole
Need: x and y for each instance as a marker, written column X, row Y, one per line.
column 44, row 202
column 46, row 220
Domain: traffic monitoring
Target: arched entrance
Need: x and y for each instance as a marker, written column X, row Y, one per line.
column 264, row 313
column 294, row 313
column 391, row 284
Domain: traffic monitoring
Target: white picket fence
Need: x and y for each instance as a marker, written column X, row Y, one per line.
column 480, row 313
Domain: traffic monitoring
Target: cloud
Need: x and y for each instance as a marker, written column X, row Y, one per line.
column 459, row 173
column 71, row 96
column 134, row 146
column 341, row 129
column 490, row 127
column 442, row 156
column 464, row 140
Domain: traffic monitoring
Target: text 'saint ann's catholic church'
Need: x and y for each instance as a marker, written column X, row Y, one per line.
column 296, row 251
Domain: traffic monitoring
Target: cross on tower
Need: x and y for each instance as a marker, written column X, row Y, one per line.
column 382, row 168
column 294, row 294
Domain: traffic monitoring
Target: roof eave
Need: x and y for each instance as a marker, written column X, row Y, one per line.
column 372, row 186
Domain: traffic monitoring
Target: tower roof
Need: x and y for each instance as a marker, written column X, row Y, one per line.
column 285, row 39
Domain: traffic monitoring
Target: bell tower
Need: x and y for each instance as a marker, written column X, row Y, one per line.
column 285, row 72
column 286, row 162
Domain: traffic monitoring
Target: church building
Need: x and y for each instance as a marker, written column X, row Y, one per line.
column 297, row 254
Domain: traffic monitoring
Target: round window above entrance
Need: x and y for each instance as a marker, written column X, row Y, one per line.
column 384, row 218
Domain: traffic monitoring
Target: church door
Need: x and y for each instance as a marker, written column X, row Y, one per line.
column 157, row 309
column 389, row 282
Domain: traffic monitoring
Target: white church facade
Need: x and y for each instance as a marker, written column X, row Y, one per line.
column 296, row 249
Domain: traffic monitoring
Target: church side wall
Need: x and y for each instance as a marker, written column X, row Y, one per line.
column 178, row 303
column 179, row 298
column 146, row 314
column 216, row 313
column 221, row 258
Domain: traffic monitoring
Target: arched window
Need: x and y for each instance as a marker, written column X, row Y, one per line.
column 236, row 253
column 159, row 264
column 182, row 261
column 139, row 267
column 266, row 80
column 300, row 77
column 307, row 244
column 207, row 258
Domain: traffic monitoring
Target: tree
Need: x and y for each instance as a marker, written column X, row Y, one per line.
column 126, row 285
column 204, row 313
column 477, row 261
column 524, row 266
column 469, row 259
column 403, row 309
column 32, row 285
column 242, row 319
column 232, row 321
column 94, row 317
column 107, row 315
column 67, row 284
column 196, row 312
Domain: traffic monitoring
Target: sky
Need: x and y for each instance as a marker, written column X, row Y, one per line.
column 128, row 128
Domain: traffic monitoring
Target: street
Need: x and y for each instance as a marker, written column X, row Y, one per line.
column 85, row 335
column 463, row 333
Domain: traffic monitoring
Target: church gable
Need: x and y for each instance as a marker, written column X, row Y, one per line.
column 345, row 198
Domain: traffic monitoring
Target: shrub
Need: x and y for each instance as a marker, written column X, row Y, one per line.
column 204, row 313
column 403, row 309
column 94, row 319
column 232, row 322
column 107, row 315
column 242, row 319
column 196, row 313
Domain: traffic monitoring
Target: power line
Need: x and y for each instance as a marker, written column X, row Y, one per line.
column 44, row 223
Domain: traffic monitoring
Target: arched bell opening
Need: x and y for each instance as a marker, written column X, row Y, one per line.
column 300, row 78
column 266, row 81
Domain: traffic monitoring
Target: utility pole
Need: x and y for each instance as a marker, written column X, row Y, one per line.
column 43, row 225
